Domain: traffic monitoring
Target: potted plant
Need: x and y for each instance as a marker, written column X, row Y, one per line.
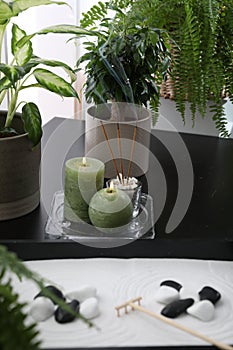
column 201, row 71
column 201, row 43
column 20, row 133
column 123, row 67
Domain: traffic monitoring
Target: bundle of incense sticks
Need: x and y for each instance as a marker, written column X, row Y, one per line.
column 122, row 176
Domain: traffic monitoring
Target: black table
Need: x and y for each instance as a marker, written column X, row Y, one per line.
column 206, row 228
column 209, row 213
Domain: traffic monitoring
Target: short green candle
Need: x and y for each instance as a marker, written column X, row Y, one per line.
column 83, row 178
column 110, row 208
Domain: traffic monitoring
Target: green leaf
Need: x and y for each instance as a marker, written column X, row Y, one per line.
column 17, row 6
column 32, row 122
column 37, row 60
column 22, row 5
column 59, row 29
column 5, row 84
column 24, row 53
column 54, row 83
column 13, row 73
column 5, row 12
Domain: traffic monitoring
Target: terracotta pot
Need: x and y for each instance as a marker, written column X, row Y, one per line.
column 19, row 173
column 100, row 122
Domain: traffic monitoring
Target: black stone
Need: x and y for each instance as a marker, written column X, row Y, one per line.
column 209, row 293
column 175, row 308
column 172, row 284
column 53, row 290
column 63, row 316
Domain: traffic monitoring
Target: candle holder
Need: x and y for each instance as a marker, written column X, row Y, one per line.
column 132, row 187
column 140, row 227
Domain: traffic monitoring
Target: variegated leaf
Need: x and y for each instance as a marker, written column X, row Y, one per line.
column 5, row 84
column 22, row 5
column 24, row 53
column 5, row 12
column 60, row 29
column 32, row 122
column 50, row 63
column 13, row 73
column 54, row 83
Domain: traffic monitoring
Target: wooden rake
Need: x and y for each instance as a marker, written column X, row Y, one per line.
column 135, row 304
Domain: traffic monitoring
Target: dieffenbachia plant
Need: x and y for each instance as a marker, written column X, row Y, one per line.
column 14, row 76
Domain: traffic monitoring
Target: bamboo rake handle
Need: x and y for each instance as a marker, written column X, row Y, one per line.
column 212, row 341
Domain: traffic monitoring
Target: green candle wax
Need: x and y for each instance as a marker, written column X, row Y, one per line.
column 110, row 208
column 83, row 178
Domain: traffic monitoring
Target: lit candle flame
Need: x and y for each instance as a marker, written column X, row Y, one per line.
column 84, row 162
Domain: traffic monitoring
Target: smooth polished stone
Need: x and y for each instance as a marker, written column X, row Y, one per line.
column 176, row 308
column 63, row 316
column 172, row 284
column 82, row 293
column 203, row 310
column 209, row 293
column 166, row 295
column 90, row 308
column 53, row 290
column 41, row 309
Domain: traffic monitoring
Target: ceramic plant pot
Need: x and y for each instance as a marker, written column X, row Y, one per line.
column 111, row 120
column 19, row 173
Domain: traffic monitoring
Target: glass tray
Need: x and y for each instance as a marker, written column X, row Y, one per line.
column 140, row 227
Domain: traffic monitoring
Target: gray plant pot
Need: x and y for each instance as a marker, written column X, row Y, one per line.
column 19, row 173
column 127, row 116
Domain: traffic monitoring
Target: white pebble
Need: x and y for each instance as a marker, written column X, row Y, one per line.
column 203, row 310
column 41, row 309
column 166, row 295
column 90, row 308
column 82, row 293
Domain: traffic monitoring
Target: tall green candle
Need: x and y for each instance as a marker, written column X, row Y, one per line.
column 83, row 178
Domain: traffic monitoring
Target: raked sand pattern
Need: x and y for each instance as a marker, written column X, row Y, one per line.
column 116, row 281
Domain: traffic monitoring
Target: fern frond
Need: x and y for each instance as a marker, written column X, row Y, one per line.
column 96, row 13
column 14, row 333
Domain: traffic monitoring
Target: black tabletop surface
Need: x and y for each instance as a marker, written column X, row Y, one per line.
column 195, row 171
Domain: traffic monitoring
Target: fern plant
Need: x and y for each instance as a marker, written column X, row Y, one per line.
column 202, row 51
column 201, row 42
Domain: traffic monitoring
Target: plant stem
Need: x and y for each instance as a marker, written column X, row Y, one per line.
column 2, row 33
column 12, row 107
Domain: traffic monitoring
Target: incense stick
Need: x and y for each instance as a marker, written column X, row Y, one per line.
column 132, row 151
column 110, row 149
column 172, row 323
column 120, row 151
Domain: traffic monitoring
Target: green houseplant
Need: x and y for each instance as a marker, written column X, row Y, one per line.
column 20, row 132
column 124, row 65
column 201, row 43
